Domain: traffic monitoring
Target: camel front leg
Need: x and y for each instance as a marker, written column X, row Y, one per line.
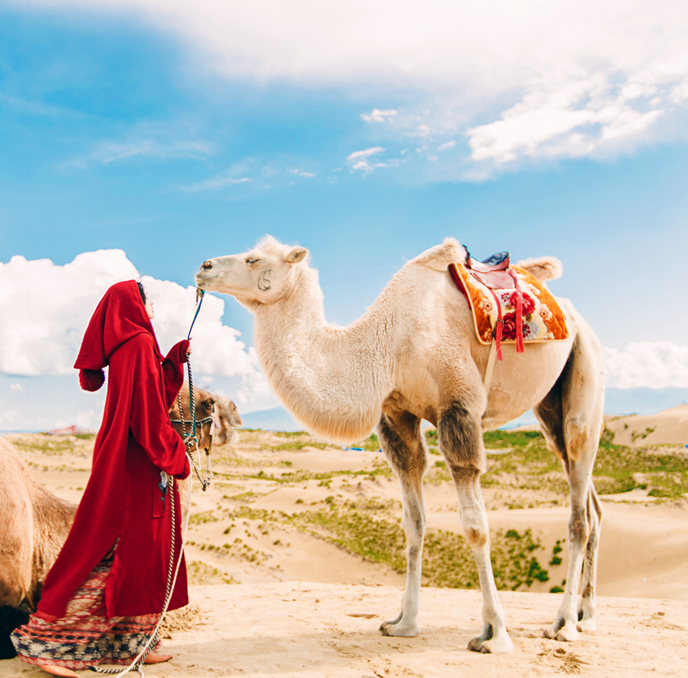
column 461, row 444
column 493, row 637
column 405, row 451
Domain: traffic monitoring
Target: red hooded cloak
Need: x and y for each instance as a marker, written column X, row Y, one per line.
column 135, row 442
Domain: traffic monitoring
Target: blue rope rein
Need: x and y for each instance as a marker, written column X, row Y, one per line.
column 200, row 294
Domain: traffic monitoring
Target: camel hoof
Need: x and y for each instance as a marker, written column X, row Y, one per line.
column 489, row 643
column 562, row 630
column 587, row 625
column 399, row 629
column 479, row 645
column 494, row 645
column 566, row 634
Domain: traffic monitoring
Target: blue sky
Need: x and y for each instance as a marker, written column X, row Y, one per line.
column 366, row 132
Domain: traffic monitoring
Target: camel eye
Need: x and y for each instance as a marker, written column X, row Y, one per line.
column 250, row 261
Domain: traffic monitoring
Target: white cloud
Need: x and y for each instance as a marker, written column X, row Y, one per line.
column 301, row 173
column 46, row 308
column 376, row 115
column 520, row 80
column 108, row 152
column 580, row 118
column 647, row 365
column 356, row 155
column 361, row 161
column 215, row 182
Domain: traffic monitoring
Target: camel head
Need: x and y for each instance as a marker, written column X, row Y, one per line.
column 227, row 418
column 261, row 276
column 204, row 403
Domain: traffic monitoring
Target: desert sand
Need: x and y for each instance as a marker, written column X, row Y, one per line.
column 278, row 592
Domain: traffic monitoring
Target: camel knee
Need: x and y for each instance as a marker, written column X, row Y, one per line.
column 12, row 593
column 461, row 442
column 475, row 528
column 414, row 524
column 577, row 433
column 579, row 528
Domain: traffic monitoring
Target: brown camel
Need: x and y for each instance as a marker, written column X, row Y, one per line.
column 216, row 417
column 35, row 524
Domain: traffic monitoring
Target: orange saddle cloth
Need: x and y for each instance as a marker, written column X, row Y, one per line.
column 541, row 317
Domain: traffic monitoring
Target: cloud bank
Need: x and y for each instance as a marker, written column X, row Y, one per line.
column 46, row 308
column 647, row 365
column 507, row 82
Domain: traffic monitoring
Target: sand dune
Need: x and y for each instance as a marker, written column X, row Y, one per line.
column 667, row 427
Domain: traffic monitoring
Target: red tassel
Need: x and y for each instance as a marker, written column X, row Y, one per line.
column 499, row 326
column 519, row 313
column 91, row 380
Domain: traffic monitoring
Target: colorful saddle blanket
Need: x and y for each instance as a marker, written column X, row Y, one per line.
column 496, row 311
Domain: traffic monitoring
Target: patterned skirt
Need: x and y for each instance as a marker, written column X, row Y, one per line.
column 85, row 636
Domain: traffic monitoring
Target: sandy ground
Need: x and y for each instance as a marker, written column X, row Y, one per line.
column 304, row 606
column 299, row 629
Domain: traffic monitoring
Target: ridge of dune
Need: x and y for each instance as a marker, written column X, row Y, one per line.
column 668, row 427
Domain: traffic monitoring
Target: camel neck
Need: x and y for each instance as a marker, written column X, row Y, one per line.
column 334, row 379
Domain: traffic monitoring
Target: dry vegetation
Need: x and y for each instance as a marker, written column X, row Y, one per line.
column 275, row 488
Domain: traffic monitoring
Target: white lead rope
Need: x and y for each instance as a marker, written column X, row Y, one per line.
column 489, row 372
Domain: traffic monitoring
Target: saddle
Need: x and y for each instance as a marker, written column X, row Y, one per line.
column 508, row 305
column 492, row 272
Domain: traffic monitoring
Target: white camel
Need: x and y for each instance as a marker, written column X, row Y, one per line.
column 412, row 356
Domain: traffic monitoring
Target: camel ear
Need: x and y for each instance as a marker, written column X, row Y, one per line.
column 296, row 255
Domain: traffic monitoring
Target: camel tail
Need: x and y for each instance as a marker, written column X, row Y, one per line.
column 544, row 268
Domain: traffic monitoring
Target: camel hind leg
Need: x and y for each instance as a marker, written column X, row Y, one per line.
column 571, row 420
column 401, row 441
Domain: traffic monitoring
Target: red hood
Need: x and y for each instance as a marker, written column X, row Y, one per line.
column 120, row 315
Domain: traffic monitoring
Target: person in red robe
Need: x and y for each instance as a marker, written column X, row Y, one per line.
column 106, row 590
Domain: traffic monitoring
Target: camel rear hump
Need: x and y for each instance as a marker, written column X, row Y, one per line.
column 543, row 268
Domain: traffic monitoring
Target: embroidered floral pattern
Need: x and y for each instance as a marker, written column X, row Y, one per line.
column 85, row 636
column 542, row 318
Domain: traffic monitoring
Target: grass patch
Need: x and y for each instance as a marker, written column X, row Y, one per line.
column 530, row 465
column 201, row 574
column 447, row 557
column 298, row 445
column 371, row 443
column 200, row 518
